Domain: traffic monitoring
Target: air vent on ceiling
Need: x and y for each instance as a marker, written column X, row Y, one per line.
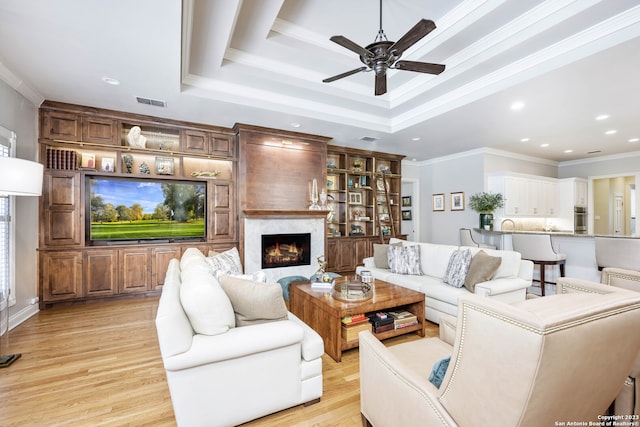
column 153, row 102
column 594, row 151
column 369, row 138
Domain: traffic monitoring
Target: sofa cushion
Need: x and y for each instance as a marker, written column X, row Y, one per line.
column 190, row 257
column 482, row 268
column 254, row 302
column 227, row 261
column 510, row 265
column 457, row 268
column 433, row 257
column 380, row 250
column 207, row 306
column 404, row 259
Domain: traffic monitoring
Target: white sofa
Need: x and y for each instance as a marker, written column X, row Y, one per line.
column 508, row 284
column 233, row 374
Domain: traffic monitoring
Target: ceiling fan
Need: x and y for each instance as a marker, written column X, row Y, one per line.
column 383, row 54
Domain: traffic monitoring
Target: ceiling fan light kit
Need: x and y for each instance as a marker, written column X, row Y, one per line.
column 383, row 54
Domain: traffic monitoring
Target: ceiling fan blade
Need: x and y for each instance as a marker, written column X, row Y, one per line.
column 347, row 74
column 421, row 29
column 345, row 42
column 420, row 67
column 381, row 84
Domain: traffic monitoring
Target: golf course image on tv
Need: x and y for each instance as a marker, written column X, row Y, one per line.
column 144, row 209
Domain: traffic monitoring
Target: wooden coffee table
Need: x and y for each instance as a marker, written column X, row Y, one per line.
column 318, row 309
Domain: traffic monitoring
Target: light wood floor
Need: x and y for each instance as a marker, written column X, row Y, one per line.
column 99, row 365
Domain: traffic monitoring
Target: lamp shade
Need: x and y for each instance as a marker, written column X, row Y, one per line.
column 20, row 177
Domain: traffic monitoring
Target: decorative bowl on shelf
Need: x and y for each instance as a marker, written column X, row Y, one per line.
column 205, row 174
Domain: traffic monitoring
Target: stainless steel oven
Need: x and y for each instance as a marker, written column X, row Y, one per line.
column 580, row 220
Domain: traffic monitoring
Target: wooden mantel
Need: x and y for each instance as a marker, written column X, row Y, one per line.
column 283, row 214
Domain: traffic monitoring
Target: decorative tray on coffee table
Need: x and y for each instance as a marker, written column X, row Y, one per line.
column 353, row 290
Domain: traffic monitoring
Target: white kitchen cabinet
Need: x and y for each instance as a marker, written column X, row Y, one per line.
column 526, row 196
column 580, row 192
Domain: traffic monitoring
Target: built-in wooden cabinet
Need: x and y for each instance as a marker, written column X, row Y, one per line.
column 78, row 143
column 364, row 199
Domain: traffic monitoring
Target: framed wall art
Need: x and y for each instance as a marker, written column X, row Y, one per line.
column 406, row 201
column 457, row 201
column 437, row 202
column 406, row 215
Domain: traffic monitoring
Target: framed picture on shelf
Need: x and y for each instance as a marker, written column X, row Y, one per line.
column 355, row 198
column 380, row 184
column 406, row 215
column 164, row 166
column 363, row 181
column 437, row 201
column 107, row 164
column 88, row 161
column 406, row 201
column 457, row 201
column 332, row 183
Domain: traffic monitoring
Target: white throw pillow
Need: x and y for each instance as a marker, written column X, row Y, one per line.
column 227, row 262
column 457, row 268
column 404, row 259
column 191, row 256
column 206, row 304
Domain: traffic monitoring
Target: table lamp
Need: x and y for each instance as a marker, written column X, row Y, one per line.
column 18, row 177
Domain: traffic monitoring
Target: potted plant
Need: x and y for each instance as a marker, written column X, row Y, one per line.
column 485, row 204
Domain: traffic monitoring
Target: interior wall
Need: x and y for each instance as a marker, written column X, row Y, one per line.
column 20, row 115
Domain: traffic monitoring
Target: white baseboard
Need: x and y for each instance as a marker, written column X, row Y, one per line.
column 22, row 315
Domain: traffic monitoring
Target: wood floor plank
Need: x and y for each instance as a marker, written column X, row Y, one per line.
column 99, row 364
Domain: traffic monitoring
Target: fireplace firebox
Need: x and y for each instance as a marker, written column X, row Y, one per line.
column 286, row 250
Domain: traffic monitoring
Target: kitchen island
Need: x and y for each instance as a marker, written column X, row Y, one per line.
column 579, row 249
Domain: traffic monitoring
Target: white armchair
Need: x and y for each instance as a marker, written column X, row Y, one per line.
column 519, row 364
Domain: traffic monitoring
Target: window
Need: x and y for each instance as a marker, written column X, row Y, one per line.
column 7, row 228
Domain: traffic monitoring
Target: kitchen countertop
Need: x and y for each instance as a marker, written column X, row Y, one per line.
column 559, row 233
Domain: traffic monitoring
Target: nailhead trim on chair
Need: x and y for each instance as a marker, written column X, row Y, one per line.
column 579, row 288
column 621, row 276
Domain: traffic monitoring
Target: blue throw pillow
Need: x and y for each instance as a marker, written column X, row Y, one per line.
column 438, row 371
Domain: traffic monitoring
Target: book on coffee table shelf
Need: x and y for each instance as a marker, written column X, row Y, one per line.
column 403, row 318
column 354, row 318
column 381, row 322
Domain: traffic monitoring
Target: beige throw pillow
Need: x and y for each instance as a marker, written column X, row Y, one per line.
column 254, row 302
column 380, row 259
column 482, row 268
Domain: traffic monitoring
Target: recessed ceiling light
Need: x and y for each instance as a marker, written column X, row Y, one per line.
column 111, row 81
column 568, row 151
column 295, row 125
column 610, row 132
column 417, row 138
column 525, row 139
column 519, row 105
column 634, row 140
column 544, row 145
column 602, row 117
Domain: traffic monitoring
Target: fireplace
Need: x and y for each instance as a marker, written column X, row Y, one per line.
column 286, row 250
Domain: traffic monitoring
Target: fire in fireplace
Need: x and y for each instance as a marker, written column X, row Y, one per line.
column 286, row 250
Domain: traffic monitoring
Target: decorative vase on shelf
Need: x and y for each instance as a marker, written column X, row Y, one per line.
column 314, row 196
column 485, row 204
column 486, row 221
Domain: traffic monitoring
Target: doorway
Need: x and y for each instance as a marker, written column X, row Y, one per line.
column 410, row 215
column 613, row 205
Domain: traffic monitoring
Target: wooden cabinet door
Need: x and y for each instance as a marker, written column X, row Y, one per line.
column 134, row 267
column 332, row 254
column 100, row 272
column 221, row 145
column 100, row 131
column 195, row 141
column 61, row 210
column 346, row 255
column 362, row 250
column 61, row 275
column 160, row 258
column 60, row 125
column 221, row 221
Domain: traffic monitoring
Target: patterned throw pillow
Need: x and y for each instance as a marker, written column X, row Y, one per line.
column 457, row 268
column 228, row 262
column 404, row 259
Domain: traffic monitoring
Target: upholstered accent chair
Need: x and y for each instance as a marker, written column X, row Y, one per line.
column 530, row 363
column 466, row 239
column 619, row 260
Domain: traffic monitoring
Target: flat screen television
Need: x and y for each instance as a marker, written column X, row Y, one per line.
column 138, row 210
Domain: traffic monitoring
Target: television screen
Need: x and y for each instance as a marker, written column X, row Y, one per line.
column 144, row 209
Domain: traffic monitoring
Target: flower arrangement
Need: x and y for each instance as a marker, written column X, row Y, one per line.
column 486, row 202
